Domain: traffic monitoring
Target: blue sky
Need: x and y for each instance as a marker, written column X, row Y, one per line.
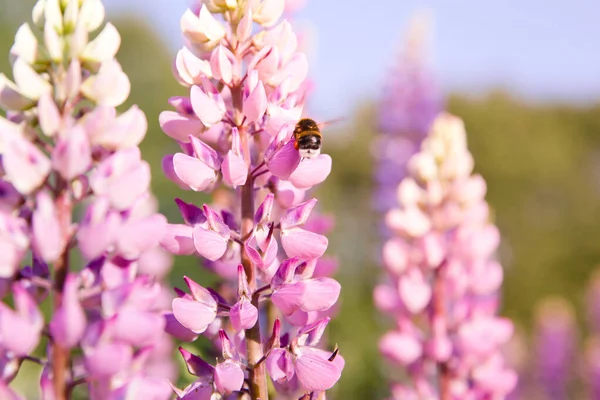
column 543, row 50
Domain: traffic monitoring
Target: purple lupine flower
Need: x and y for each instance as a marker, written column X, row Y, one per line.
column 443, row 281
column 555, row 347
column 63, row 145
column 247, row 83
column 409, row 104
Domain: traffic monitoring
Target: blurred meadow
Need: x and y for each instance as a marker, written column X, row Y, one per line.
column 541, row 161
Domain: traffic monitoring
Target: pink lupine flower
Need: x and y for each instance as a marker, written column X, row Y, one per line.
column 443, row 282
column 68, row 323
column 63, row 145
column 195, row 311
column 246, row 82
column 20, row 329
column 316, row 369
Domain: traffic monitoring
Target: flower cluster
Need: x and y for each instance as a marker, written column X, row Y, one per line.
column 443, row 284
column 247, row 85
column 555, row 347
column 409, row 104
column 63, row 146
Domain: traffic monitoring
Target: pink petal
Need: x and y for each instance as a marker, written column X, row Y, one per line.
column 200, row 293
column 279, row 365
column 265, row 62
column 284, row 161
column 395, row 256
column 17, row 333
column 98, row 230
column 209, row 244
column 135, row 237
column 255, row 105
column 229, row 377
column 486, row 278
column 285, row 272
column 311, row 172
column 72, row 154
column 207, row 154
column 193, row 315
column 235, row 170
column 400, row 347
column 326, row 266
column 386, row 298
column 68, row 323
column 193, row 172
column 297, row 215
column 137, row 327
column 25, row 166
column 208, row 110
column 288, row 195
column 174, row 328
column 310, row 335
column 415, row 291
column 47, row 238
column 128, row 130
column 196, row 365
column 221, row 65
column 108, row 359
column 315, row 372
column 48, row 115
column 409, row 221
column 178, row 126
column 298, row 242
column 263, row 213
column 169, row 170
column 122, row 177
column 320, row 294
column 243, row 315
column 191, row 213
column 178, row 239
column 289, row 297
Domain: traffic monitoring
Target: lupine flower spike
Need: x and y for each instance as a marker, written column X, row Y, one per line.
column 246, row 88
column 443, row 282
column 63, row 144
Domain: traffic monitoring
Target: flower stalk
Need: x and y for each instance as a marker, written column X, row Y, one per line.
column 64, row 144
column 246, row 80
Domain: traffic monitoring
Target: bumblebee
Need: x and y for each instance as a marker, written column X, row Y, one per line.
column 307, row 138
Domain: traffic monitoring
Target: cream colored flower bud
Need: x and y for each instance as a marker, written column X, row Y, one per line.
column 10, row 96
column 92, row 13
column 37, row 14
column 26, row 45
column 203, row 30
column 268, row 12
column 70, row 15
column 104, row 47
column 409, row 193
column 30, row 84
column 54, row 43
column 53, row 15
column 423, row 167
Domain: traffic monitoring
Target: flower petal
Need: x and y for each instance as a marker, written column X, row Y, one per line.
column 298, row 242
column 314, row 371
column 193, row 315
column 284, row 161
column 311, row 172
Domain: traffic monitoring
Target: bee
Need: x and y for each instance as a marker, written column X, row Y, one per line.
column 307, row 138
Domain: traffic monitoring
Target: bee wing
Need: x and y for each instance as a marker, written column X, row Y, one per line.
column 331, row 121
